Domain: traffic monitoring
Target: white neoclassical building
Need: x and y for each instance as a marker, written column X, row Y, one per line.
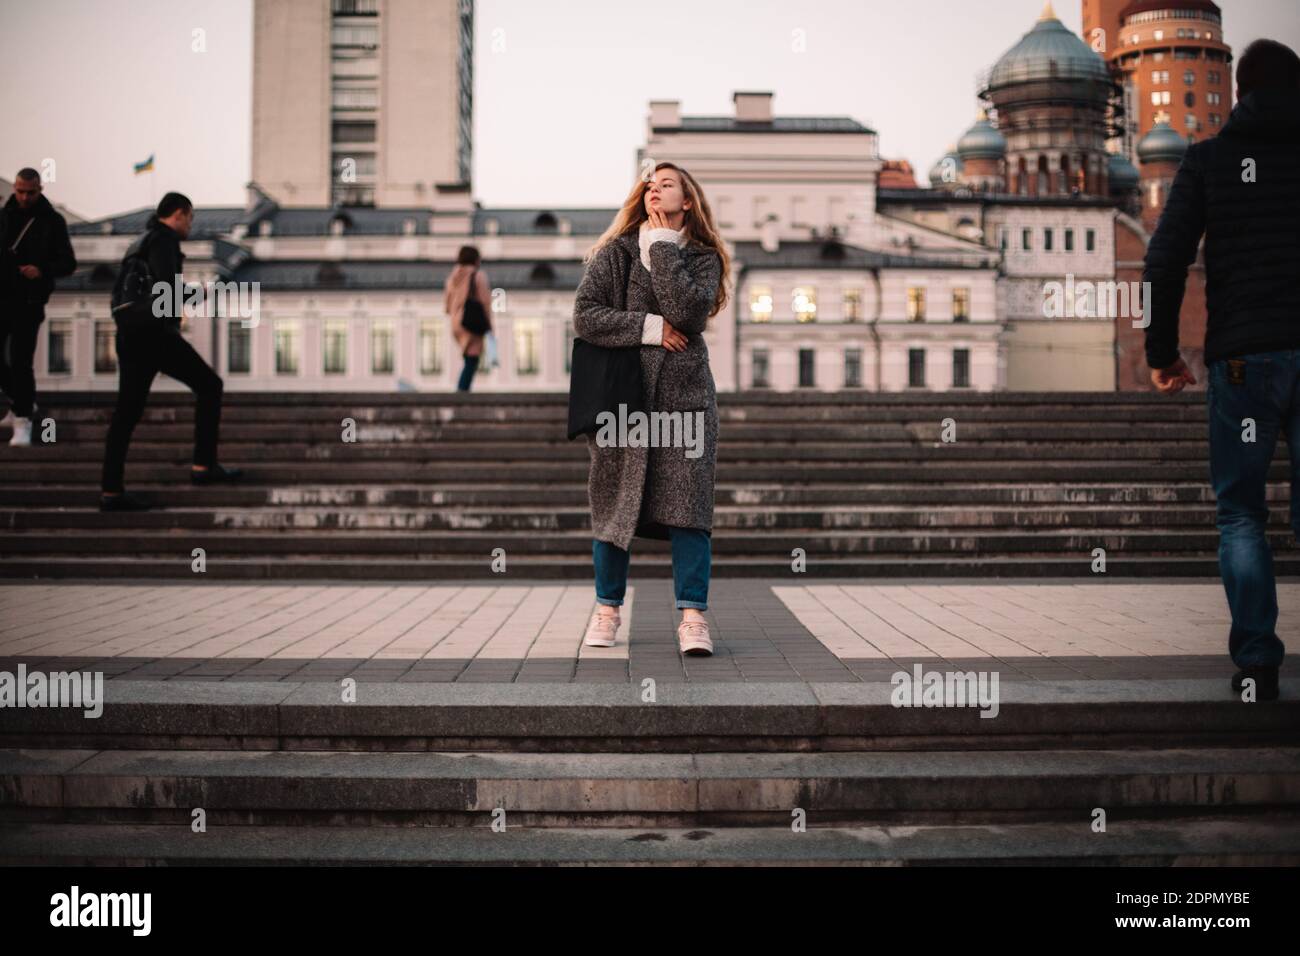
column 836, row 283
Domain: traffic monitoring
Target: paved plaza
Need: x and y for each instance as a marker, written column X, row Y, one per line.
column 763, row 630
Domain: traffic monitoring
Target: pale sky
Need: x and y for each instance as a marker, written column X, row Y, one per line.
column 560, row 98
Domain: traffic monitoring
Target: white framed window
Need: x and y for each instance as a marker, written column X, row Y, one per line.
column 431, row 346
column 288, row 346
column 528, row 346
column 760, row 303
column 58, row 354
column 382, row 336
column 334, row 346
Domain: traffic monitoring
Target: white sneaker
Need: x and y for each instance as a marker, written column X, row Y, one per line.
column 22, row 437
column 602, row 629
column 693, row 638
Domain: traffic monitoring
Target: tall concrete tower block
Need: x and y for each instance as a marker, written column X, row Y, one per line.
column 362, row 102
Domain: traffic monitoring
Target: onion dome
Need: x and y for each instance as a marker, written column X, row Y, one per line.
column 982, row 141
column 1050, row 51
column 1163, row 144
column 1122, row 175
column 947, row 169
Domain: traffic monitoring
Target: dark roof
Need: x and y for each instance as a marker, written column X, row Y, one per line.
column 421, row 274
column 543, row 222
column 778, row 124
column 209, row 222
column 832, row 254
column 359, row 221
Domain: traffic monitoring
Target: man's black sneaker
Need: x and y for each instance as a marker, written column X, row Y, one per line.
column 123, row 502
column 215, row 474
column 1265, row 681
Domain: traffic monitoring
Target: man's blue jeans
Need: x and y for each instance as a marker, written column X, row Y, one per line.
column 1259, row 389
column 691, row 559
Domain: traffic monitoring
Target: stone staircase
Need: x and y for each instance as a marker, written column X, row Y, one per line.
column 420, row 773
column 863, row 483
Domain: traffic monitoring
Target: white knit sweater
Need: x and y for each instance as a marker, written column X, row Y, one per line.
column 652, row 333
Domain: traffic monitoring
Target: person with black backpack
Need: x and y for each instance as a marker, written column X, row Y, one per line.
column 149, row 341
column 468, row 298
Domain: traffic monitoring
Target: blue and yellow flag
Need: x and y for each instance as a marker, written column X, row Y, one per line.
column 145, row 167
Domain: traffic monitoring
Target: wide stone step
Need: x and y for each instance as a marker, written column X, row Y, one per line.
column 322, row 431
column 665, row 789
column 516, row 518
column 1265, row 841
column 780, row 543
column 653, row 562
column 31, row 469
column 523, row 456
column 685, row 718
column 434, row 495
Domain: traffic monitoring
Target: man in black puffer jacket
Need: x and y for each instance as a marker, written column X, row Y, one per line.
column 34, row 251
column 1241, row 189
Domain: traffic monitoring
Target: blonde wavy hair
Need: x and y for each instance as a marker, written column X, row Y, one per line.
column 698, row 224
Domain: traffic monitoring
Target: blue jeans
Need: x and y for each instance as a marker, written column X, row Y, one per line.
column 467, row 373
column 1262, row 387
column 691, row 557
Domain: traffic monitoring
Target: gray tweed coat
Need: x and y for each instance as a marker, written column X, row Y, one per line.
column 641, row 491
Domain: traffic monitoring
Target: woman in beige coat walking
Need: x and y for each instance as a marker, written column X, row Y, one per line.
column 465, row 272
column 653, row 280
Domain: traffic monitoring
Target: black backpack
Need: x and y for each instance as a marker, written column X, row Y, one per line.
column 132, row 298
column 475, row 319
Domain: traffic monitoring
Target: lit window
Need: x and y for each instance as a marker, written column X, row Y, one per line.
column 915, row 304
column 961, row 305
column 804, row 302
column 852, row 305
column 760, row 303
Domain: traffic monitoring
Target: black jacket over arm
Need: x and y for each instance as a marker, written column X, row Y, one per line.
column 1252, row 235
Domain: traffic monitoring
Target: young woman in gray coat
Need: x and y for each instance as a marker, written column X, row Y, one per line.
column 653, row 280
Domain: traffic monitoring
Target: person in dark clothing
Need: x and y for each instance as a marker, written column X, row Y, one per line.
column 34, row 251
column 1241, row 190
column 149, row 341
